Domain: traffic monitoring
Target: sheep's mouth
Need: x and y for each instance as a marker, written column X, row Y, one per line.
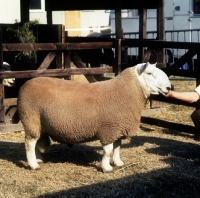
column 164, row 93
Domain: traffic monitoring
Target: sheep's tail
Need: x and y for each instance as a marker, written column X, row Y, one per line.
column 44, row 143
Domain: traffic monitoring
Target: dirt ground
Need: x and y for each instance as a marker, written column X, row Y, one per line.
column 159, row 162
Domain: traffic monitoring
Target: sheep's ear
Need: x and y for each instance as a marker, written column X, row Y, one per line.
column 150, row 68
column 141, row 67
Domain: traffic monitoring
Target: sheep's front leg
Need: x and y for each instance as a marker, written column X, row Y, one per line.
column 105, row 163
column 116, row 153
column 30, row 153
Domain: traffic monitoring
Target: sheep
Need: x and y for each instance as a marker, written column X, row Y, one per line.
column 9, row 82
column 74, row 112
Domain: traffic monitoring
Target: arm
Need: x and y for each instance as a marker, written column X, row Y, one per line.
column 189, row 97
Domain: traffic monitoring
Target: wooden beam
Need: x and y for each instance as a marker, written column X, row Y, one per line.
column 60, row 5
column 119, row 37
column 54, row 46
column 55, row 72
column 161, row 28
column 4, row 128
column 161, row 20
column 142, row 30
column 2, row 103
column 80, row 64
column 167, row 124
column 48, row 8
column 10, row 102
column 47, row 61
column 181, row 61
column 197, row 69
column 157, row 44
column 24, row 11
column 96, row 45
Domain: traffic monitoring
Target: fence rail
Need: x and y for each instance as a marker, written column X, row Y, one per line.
column 184, row 35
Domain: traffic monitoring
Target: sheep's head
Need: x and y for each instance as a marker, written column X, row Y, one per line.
column 9, row 82
column 153, row 80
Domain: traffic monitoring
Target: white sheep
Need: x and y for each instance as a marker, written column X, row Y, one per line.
column 73, row 112
column 9, row 82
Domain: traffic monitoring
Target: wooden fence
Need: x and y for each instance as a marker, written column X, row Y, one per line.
column 67, row 50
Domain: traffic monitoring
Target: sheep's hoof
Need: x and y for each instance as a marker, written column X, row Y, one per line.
column 36, row 167
column 39, row 161
column 107, row 169
column 119, row 163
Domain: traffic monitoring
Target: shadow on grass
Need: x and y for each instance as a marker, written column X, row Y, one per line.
column 84, row 155
column 14, row 152
column 154, row 184
column 79, row 154
column 180, row 180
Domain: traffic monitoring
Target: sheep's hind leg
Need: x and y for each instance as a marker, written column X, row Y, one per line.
column 30, row 153
column 42, row 146
column 105, row 163
column 116, row 153
column 39, row 158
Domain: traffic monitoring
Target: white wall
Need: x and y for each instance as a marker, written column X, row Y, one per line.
column 9, row 11
column 41, row 16
column 95, row 19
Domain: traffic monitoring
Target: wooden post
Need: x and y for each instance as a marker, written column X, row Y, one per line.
column 161, row 26
column 197, row 69
column 160, row 53
column 1, row 85
column 24, row 11
column 142, row 30
column 2, row 114
column 119, row 36
column 59, row 55
column 49, row 12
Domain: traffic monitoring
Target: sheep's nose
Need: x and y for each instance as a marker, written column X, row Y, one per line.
column 168, row 88
column 171, row 88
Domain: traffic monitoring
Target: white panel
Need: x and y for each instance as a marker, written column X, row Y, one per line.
column 9, row 11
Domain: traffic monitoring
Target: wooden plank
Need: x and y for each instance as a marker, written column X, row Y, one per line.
column 60, row 5
column 157, row 44
column 53, row 46
column 80, row 64
column 118, row 53
column 96, row 45
column 24, row 11
column 142, row 30
column 150, row 112
column 167, row 124
column 4, row 128
column 197, row 69
column 55, row 72
column 119, row 37
column 161, row 30
column 2, row 103
column 181, row 61
column 10, row 102
column 10, row 113
column 48, row 59
column 67, row 60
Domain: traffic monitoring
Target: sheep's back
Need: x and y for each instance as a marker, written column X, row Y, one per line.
column 58, row 106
